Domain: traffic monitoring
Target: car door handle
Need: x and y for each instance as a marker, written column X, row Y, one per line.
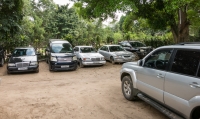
column 160, row 76
column 195, row 85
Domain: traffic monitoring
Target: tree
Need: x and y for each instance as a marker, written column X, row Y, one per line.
column 177, row 15
column 11, row 14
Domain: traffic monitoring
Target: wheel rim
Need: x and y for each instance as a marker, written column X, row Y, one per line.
column 127, row 88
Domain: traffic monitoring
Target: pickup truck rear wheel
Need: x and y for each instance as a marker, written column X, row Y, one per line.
column 129, row 92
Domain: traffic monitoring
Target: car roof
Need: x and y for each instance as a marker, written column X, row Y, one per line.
column 83, row 46
column 25, row 47
column 185, row 46
column 58, row 41
column 111, row 45
column 130, row 41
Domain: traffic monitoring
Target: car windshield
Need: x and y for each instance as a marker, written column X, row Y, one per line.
column 24, row 52
column 137, row 44
column 87, row 49
column 116, row 48
column 61, row 48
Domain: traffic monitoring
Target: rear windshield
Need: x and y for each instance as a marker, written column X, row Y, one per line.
column 137, row 44
column 87, row 49
column 24, row 52
column 61, row 48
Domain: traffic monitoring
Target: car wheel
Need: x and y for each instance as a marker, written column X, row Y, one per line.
column 37, row 71
column 50, row 67
column 81, row 63
column 8, row 72
column 47, row 61
column 196, row 113
column 2, row 62
column 129, row 92
column 112, row 60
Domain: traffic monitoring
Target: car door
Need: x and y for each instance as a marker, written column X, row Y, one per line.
column 182, row 84
column 151, row 75
column 104, row 51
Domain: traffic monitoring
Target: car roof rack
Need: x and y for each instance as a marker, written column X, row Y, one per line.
column 190, row 43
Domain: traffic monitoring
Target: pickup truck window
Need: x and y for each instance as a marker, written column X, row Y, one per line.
column 186, row 62
column 159, row 59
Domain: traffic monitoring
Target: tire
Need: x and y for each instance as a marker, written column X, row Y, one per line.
column 37, row 71
column 50, row 68
column 112, row 60
column 75, row 68
column 47, row 61
column 8, row 72
column 81, row 64
column 2, row 62
column 128, row 91
column 196, row 113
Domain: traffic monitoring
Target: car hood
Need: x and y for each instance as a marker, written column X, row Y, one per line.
column 89, row 55
column 122, row 53
column 144, row 48
column 61, row 54
column 14, row 59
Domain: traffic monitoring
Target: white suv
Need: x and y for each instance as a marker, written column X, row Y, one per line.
column 168, row 78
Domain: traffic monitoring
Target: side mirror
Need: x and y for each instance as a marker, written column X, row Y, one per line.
column 38, row 53
column 140, row 62
column 47, row 50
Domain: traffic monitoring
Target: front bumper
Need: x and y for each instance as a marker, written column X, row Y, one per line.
column 122, row 60
column 22, row 69
column 61, row 66
column 94, row 62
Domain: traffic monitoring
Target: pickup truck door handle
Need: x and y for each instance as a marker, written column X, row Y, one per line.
column 160, row 76
column 195, row 85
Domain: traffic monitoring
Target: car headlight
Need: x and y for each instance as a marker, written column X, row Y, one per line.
column 33, row 63
column 119, row 56
column 53, row 59
column 86, row 59
column 141, row 50
column 102, row 58
column 74, row 58
column 11, row 64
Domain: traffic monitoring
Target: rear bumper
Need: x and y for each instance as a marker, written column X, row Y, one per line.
column 62, row 66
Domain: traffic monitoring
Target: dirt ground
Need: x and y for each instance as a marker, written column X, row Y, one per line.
column 87, row 93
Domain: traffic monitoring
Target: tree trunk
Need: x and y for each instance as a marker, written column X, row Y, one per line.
column 180, row 31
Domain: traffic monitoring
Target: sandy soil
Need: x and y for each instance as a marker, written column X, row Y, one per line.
column 87, row 93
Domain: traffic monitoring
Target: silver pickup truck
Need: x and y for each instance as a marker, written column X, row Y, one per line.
column 168, row 78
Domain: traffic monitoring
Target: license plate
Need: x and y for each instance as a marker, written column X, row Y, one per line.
column 23, row 68
column 96, row 62
column 64, row 66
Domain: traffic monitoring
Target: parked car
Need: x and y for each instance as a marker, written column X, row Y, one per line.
column 60, row 55
column 87, row 55
column 2, row 56
column 23, row 59
column 168, row 79
column 116, row 53
column 136, row 47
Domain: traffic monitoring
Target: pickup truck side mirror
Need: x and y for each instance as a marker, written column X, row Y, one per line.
column 140, row 62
